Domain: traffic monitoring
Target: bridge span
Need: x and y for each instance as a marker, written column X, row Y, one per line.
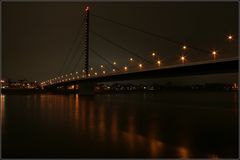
column 198, row 68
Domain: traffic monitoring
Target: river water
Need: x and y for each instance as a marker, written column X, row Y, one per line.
column 163, row 125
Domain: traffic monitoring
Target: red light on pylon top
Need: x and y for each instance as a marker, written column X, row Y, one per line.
column 87, row 8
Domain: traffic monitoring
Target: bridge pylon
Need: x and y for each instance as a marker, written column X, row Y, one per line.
column 87, row 41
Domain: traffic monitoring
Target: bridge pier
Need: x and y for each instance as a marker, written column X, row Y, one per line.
column 86, row 88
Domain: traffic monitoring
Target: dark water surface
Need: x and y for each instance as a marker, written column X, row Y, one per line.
column 165, row 125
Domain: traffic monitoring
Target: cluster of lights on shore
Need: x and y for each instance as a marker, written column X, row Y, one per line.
column 158, row 62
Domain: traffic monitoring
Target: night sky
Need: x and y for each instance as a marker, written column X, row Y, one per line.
column 37, row 37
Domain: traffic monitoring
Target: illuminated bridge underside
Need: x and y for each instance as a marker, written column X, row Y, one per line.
column 211, row 67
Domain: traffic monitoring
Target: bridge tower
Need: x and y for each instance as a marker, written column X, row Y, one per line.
column 87, row 41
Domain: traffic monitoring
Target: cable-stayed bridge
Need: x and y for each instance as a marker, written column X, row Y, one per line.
column 136, row 65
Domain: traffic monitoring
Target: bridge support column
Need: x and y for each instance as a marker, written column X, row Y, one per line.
column 86, row 88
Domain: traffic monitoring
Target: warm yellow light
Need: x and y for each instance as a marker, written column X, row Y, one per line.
column 153, row 54
column 76, row 72
column 184, row 47
column 125, row 68
column 183, row 58
column 91, row 68
column 114, row 70
column 214, row 52
column 104, row 72
column 140, row 65
column 89, row 74
column 114, row 63
column 95, row 73
column 131, row 59
column 101, row 66
column 159, row 62
column 230, row 37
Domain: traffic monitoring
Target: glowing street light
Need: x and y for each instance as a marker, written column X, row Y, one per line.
column 76, row 72
column 125, row 68
column 214, row 53
column 114, row 70
column 91, row 68
column 184, row 47
column 183, row 59
column 101, row 66
column 114, row 63
column 95, row 73
column 230, row 37
column 130, row 59
column 104, row 72
column 158, row 62
column 153, row 54
column 140, row 66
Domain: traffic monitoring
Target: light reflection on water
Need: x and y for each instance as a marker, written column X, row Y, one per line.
column 110, row 128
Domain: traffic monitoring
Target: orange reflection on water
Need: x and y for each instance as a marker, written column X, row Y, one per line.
column 91, row 119
column 114, row 127
column 155, row 148
column 102, row 123
column 76, row 113
column 130, row 135
column 213, row 156
column 235, row 100
column 2, row 99
column 182, row 152
column 83, row 115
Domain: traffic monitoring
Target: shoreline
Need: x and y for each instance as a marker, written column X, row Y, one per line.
column 39, row 91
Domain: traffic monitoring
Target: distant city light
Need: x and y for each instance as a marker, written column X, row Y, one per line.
column 83, row 70
column 153, row 54
column 159, row 62
column 91, row 68
column 104, row 72
column 131, row 59
column 101, row 66
column 95, row 73
column 87, row 9
column 125, row 68
column 140, row 65
column 76, row 72
column 114, row 70
column 114, row 63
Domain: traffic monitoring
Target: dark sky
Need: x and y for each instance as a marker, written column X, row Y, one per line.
column 37, row 37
